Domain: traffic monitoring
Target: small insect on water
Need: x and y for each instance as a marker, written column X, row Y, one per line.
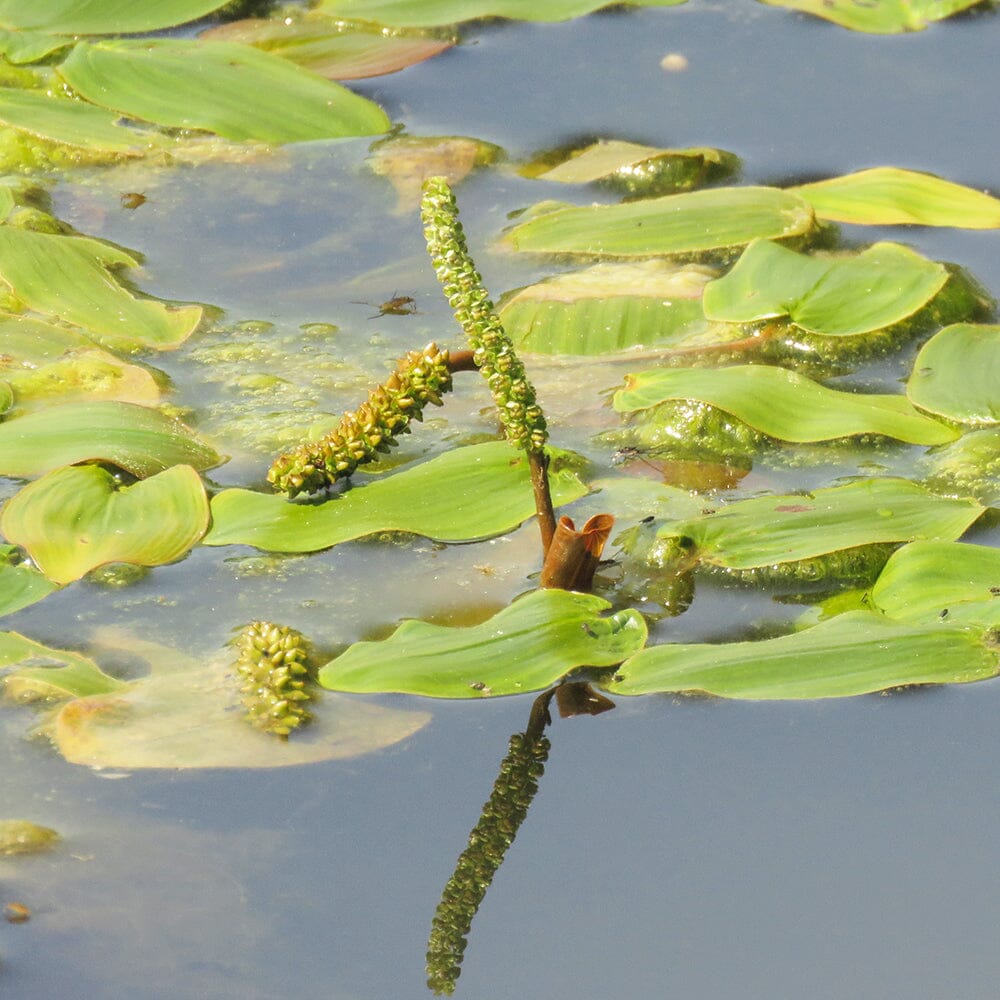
column 398, row 305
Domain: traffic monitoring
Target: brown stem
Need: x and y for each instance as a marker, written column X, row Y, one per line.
column 538, row 462
column 462, row 361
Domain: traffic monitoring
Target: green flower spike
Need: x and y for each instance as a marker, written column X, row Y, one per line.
column 501, row 818
column 271, row 667
column 420, row 378
column 494, row 355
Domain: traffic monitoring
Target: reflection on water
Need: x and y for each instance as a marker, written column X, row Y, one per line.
column 728, row 850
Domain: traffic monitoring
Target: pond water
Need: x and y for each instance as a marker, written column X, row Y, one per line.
column 677, row 847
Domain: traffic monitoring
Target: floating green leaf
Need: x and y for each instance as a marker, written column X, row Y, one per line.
column 95, row 17
column 75, row 519
column 784, row 404
column 332, row 48
column 74, row 123
column 941, row 582
column 69, row 277
column 640, row 171
column 134, row 438
column 426, row 13
column 882, row 17
column 21, row 586
column 29, row 46
column 204, row 85
column 854, row 653
column 607, row 308
column 36, row 672
column 886, row 196
column 957, row 374
column 460, row 496
column 525, row 647
column 694, row 222
column 771, row 530
column 833, row 296
column 186, row 714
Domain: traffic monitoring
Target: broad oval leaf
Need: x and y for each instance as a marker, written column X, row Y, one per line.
column 771, row 530
column 94, row 17
column 21, row 586
column 956, row 374
column 74, row 123
column 36, row 672
column 833, row 296
column 883, row 17
column 332, row 48
column 854, row 653
column 71, row 278
column 941, row 582
column 186, row 714
column 204, row 85
column 607, row 308
column 541, row 637
column 887, row 196
column 134, row 438
column 461, row 496
column 784, row 404
column 75, row 519
column 716, row 219
column 427, row 13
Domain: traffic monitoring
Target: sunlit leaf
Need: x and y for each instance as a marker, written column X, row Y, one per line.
column 951, row 582
column 957, row 374
column 416, row 13
column 21, row 586
column 463, row 495
column 886, row 196
column 77, row 518
column 70, row 278
column 74, row 123
column 851, row 654
column 186, row 714
column 607, row 308
column 332, row 48
column 204, row 85
column 883, row 17
column 696, row 221
column 29, row 46
column 639, row 171
column 833, row 296
column 32, row 671
column 784, row 404
column 94, row 17
column 526, row 647
column 770, row 530
column 140, row 440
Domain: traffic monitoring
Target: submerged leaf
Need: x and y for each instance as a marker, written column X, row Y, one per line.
column 540, row 638
column 886, row 196
column 416, row 13
column 134, row 438
column 186, row 714
column 716, row 219
column 33, row 671
column 204, row 85
column 460, row 496
column 784, row 404
column 956, row 374
column 75, row 519
column 833, row 296
column 70, row 278
column 881, row 17
column 853, row 653
column 607, row 308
